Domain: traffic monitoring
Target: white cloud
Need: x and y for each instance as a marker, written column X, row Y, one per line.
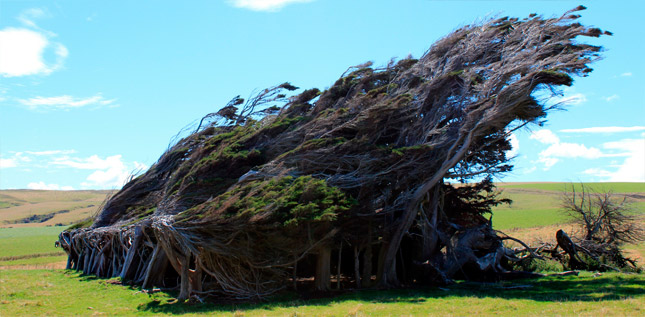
column 264, row 5
column 529, row 170
column 604, row 129
column 515, row 146
column 633, row 168
column 556, row 149
column 65, row 102
column 101, row 173
column 43, row 186
column 8, row 163
column 93, row 162
column 23, row 50
column 545, row 136
column 627, row 74
column 55, row 152
column 571, row 150
column 548, row 162
column 109, row 172
column 15, row 160
column 612, row 98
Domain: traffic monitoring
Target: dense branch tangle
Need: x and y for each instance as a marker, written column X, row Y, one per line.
column 350, row 178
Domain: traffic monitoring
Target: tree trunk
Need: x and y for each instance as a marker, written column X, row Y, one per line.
column 127, row 271
column 366, row 281
column 323, row 269
column 184, row 289
column 357, row 267
column 389, row 277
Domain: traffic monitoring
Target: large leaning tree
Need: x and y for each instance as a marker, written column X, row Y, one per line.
column 345, row 186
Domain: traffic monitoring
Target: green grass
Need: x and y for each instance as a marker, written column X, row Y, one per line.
column 28, row 240
column 35, row 261
column 600, row 187
column 58, row 292
column 40, row 292
column 528, row 210
column 539, row 204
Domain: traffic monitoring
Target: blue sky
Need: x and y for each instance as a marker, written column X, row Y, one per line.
column 91, row 91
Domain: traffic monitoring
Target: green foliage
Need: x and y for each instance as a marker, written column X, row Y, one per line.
column 139, row 212
column 85, row 223
column 323, row 142
column 381, row 90
column 289, row 201
column 538, row 265
column 555, row 77
column 464, row 202
column 411, row 149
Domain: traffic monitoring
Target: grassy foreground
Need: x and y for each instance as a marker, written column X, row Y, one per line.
column 27, row 290
column 41, row 292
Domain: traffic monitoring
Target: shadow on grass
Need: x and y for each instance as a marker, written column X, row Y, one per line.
column 551, row 289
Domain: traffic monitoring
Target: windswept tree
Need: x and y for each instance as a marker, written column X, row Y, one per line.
column 347, row 182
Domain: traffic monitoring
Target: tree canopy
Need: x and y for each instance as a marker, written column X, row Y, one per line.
column 349, row 181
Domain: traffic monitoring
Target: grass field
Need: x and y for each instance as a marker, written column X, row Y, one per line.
column 539, row 204
column 27, row 289
column 561, row 187
column 25, row 241
column 35, row 292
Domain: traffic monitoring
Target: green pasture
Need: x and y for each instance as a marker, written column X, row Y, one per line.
column 539, row 204
column 529, row 209
column 25, row 241
column 41, row 292
column 597, row 187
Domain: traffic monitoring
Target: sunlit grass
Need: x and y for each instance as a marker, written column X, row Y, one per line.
column 25, row 241
column 598, row 187
column 38, row 292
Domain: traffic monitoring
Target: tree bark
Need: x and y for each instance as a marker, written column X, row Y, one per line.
column 323, row 269
column 127, row 270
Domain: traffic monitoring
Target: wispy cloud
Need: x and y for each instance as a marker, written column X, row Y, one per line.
column 558, row 150
column 571, row 150
column 109, row 172
column 545, row 136
column 515, row 146
column 65, row 102
column 612, row 98
column 100, row 172
column 264, row 5
column 8, row 162
column 17, row 159
column 626, row 74
column 632, row 169
column 605, row 129
column 23, row 50
column 43, row 186
column 54, row 152
column 569, row 100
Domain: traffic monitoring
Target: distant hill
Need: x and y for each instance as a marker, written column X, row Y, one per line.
column 38, row 208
